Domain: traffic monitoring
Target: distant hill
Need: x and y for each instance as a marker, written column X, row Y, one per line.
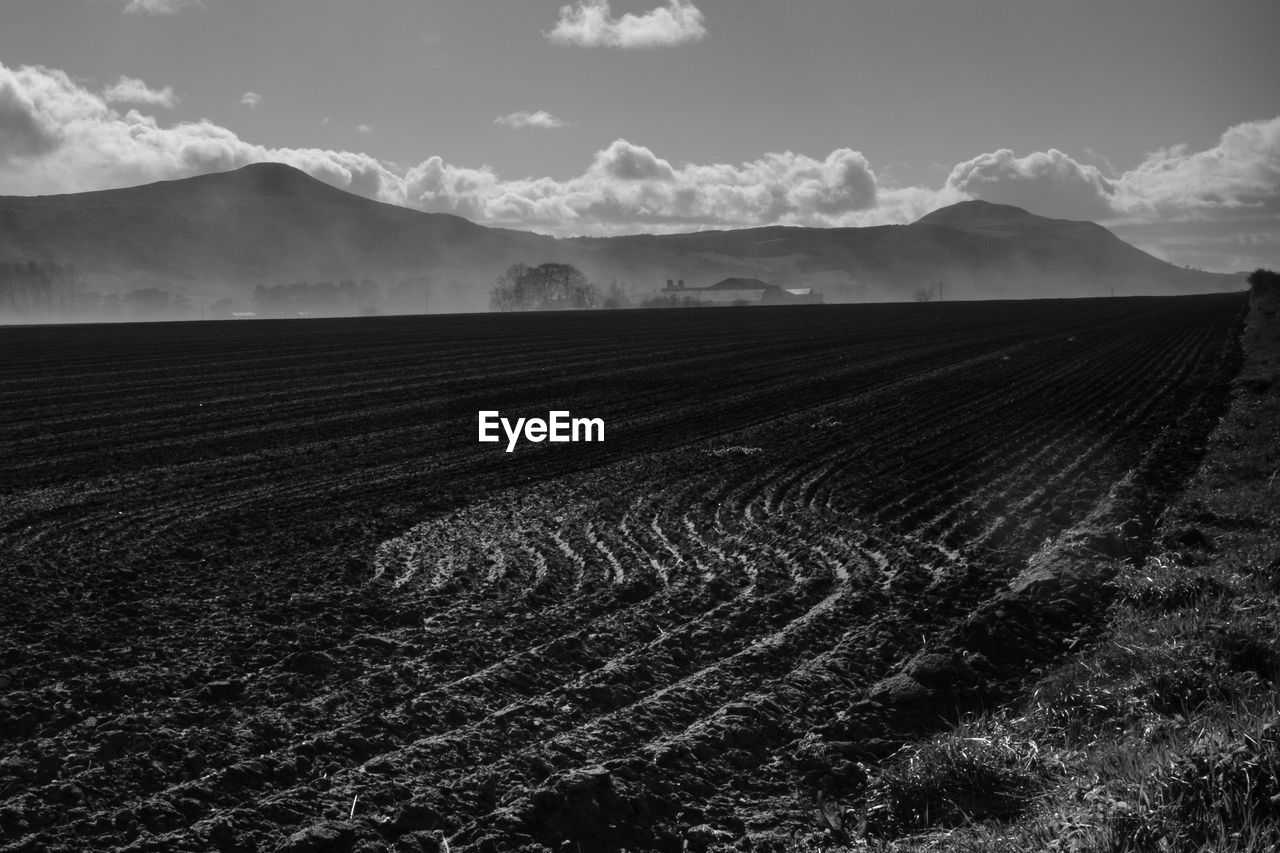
column 975, row 248
column 263, row 224
column 271, row 224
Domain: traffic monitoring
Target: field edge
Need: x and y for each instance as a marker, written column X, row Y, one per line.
column 1157, row 732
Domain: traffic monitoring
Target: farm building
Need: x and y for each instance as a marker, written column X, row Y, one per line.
column 734, row 291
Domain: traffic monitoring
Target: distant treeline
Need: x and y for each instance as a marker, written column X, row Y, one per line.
column 46, row 291
column 37, row 288
column 50, row 291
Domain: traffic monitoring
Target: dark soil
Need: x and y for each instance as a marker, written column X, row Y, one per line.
column 265, row 590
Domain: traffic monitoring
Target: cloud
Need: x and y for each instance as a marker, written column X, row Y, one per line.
column 438, row 187
column 627, row 188
column 159, row 7
column 57, row 136
column 1238, row 176
column 540, row 119
column 623, row 161
column 590, row 23
column 23, row 133
column 364, row 128
column 131, row 90
column 252, row 100
column 1045, row 182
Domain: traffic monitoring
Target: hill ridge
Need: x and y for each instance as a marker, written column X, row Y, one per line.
column 289, row 226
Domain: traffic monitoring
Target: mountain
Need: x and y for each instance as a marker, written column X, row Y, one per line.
column 262, row 224
column 271, row 224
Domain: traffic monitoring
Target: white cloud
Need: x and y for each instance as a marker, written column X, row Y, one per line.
column 1045, row 182
column 591, row 23
column 364, row 128
column 131, row 90
column 252, row 100
column 540, row 119
column 1240, row 175
column 628, row 188
column 159, row 7
column 623, row 161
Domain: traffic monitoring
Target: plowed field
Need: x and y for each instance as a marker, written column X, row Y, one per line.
column 262, row 587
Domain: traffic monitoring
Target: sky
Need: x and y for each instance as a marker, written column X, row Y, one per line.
column 1157, row 118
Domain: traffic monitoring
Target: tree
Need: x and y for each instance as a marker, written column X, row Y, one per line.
column 505, row 295
column 548, row 287
column 923, row 294
column 1264, row 282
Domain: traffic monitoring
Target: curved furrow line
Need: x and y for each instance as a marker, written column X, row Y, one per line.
column 471, row 697
column 464, row 747
column 637, row 539
column 641, row 728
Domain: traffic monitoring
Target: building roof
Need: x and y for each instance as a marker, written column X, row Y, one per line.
column 739, row 284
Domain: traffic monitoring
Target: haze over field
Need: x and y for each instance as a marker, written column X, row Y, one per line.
column 597, row 119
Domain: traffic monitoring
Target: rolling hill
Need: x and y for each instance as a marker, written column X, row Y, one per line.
column 267, row 224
